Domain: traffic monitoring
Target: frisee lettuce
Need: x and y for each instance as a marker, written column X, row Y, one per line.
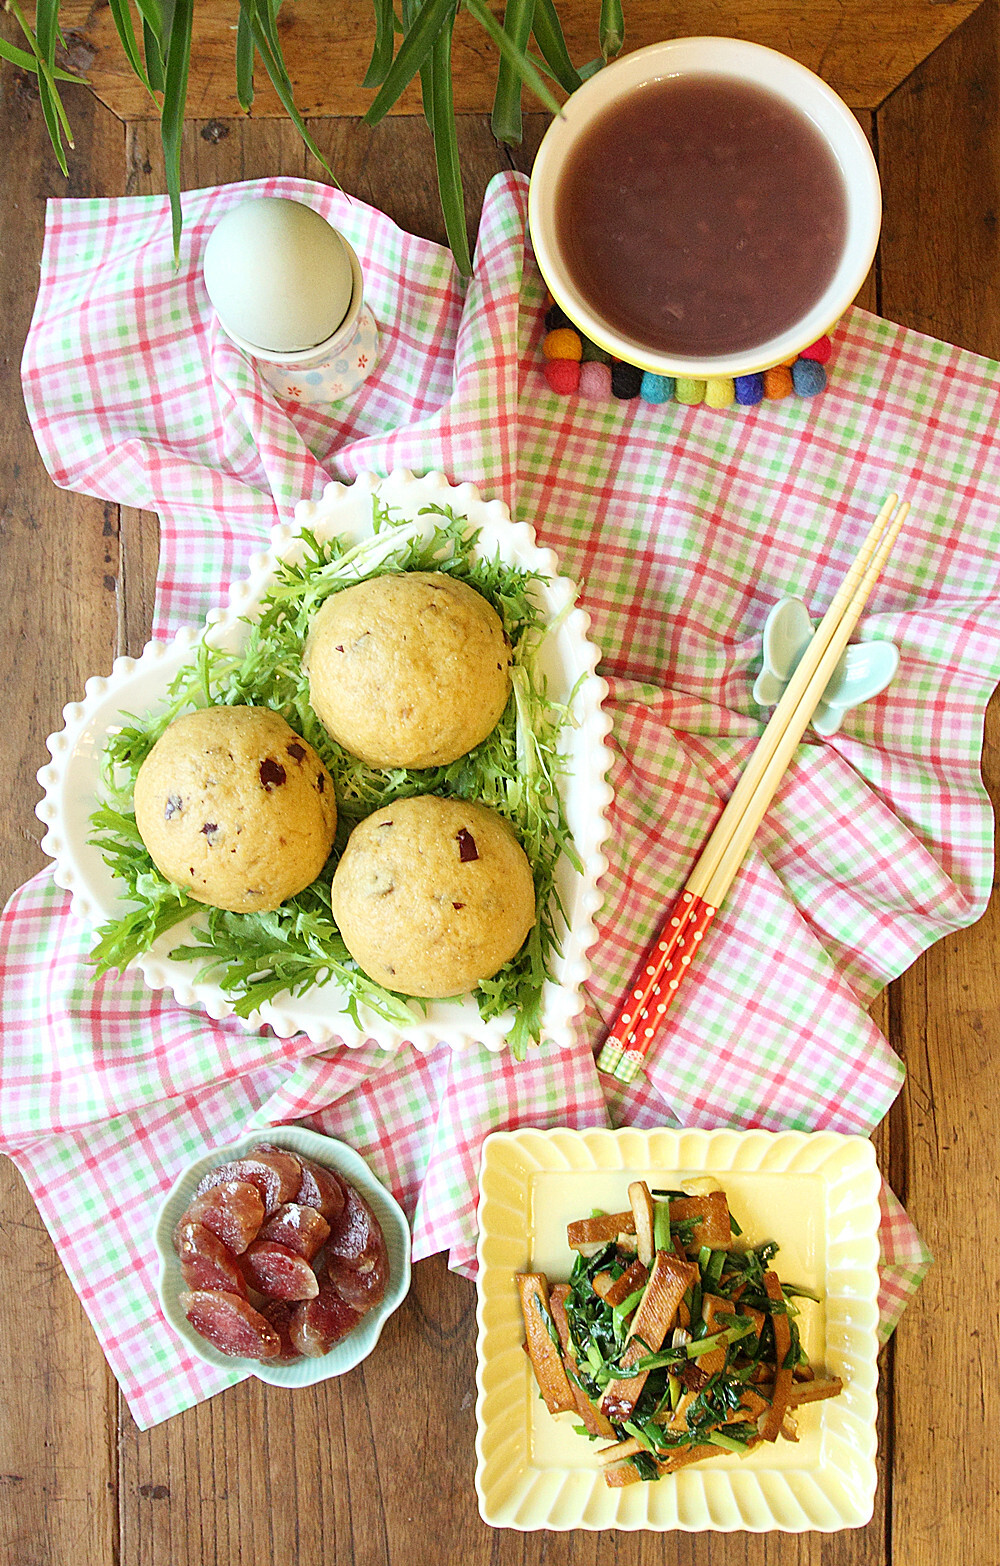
column 256, row 956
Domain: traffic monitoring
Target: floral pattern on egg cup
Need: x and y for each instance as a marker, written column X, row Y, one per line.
column 321, row 385
column 865, row 669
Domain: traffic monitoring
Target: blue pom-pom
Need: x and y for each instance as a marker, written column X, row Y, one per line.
column 808, row 377
column 749, row 389
column 656, row 388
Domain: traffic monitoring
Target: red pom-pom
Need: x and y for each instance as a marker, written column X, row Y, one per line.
column 563, row 375
column 820, row 350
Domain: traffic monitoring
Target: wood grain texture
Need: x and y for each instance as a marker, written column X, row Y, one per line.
column 863, row 48
column 941, row 273
column 58, row 566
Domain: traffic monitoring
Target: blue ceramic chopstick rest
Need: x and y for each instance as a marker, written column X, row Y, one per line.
column 865, row 669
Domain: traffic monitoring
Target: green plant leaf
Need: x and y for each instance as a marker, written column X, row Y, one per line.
column 154, row 57
column 611, row 30
column 413, row 51
column 449, row 171
column 505, row 120
column 245, row 55
column 27, row 62
column 382, row 50
column 518, row 59
column 265, row 35
column 53, row 112
column 122, row 14
column 550, row 39
column 178, row 21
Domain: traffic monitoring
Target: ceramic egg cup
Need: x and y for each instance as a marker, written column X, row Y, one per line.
column 865, row 669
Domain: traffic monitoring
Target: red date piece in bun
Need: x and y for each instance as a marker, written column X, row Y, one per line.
column 300, row 1229
column 230, row 1324
column 275, row 1173
column 277, row 1272
column 233, row 1210
column 205, row 1262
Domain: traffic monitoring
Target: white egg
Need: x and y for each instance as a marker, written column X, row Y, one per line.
column 279, row 277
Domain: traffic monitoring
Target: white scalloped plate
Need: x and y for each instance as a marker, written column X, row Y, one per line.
column 815, row 1194
column 326, row 1150
column 568, row 661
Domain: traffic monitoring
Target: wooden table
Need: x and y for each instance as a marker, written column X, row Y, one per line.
column 378, row 1467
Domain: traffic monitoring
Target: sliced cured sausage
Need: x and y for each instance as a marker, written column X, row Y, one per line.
column 362, row 1287
column 276, row 1173
column 316, row 1325
column 355, row 1236
column 277, row 1272
column 205, row 1262
column 321, row 1188
column 233, row 1210
column 301, row 1229
column 230, row 1324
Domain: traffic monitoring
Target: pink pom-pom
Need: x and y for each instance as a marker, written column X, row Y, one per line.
column 563, row 375
column 820, row 350
column 595, row 381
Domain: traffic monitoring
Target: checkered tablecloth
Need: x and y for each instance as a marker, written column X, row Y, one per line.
column 683, row 527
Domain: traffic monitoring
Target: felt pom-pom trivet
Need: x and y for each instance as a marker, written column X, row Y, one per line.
column 778, row 383
column 563, row 375
column 625, row 381
column 689, row 391
column 749, row 389
column 719, row 391
column 595, row 381
column 808, row 377
column 563, row 343
column 820, row 350
column 655, row 389
column 555, row 316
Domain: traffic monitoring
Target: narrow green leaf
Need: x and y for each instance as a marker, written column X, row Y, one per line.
column 27, row 62
column 449, row 170
column 179, row 20
column 506, row 117
column 520, row 61
column 264, row 32
column 611, row 31
column 154, row 57
column 53, row 113
column 244, row 58
column 413, row 51
column 550, row 39
column 151, row 12
column 122, row 14
column 382, row 50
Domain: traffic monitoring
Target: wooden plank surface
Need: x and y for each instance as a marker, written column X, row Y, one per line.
column 377, row 1468
column 863, row 48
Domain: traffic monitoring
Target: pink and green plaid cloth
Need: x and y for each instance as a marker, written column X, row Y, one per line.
column 683, row 527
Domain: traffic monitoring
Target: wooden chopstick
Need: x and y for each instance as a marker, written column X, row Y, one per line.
column 640, row 1016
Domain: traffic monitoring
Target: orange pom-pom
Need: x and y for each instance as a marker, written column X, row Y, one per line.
column 563, row 343
column 778, row 383
column 563, row 375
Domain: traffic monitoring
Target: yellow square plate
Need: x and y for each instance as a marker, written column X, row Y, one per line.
column 816, row 1195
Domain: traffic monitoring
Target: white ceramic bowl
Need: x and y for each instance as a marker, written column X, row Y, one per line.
column 357, row 1345
column 749, row 63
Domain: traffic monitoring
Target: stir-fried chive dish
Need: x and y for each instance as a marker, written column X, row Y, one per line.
column 515, row 771
column 672, row 1340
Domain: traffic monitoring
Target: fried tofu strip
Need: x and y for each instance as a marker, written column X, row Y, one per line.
column 807, row 1391
column 654, row 1315
column 771, row 1422
column 546, row 1357
column 642, row 1213
column 711, row 1215
column 593, row 1420
column 600, row 1230
column 634, row 1277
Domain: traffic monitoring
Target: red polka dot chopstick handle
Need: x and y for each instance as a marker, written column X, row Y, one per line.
column 654, row 987
column 640, row 1018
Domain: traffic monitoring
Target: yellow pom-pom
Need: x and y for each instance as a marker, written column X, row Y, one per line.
column 719, row 391
column 689, row 391
column 778, row 383
column 563, row 344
